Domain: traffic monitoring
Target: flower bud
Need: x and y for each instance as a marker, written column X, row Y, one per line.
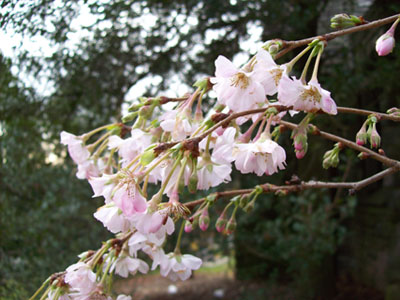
column 273, row 46
column 341, row 21
column 244, row 200
column 221, row 222
column 385, row 44
column 363, row 155
column 300, row 144
column 129, row 117
column 188, row 227
column 231, row 225
column 146, row 111
column 147, row 157
column 204, row 219
column 362, row 136
column 193, row 181
column 394, row 111
column 374, row 138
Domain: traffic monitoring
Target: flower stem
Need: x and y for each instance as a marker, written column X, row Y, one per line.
column 290, row 64
column 164, row 157
column 178, row 242
column 40, row 289
column 304, row 73
column 164, row 185
column 316, row 65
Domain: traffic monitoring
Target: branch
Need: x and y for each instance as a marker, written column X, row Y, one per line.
column 270, row 188
column 383, row 159
column 357, row 111
column 290, row 45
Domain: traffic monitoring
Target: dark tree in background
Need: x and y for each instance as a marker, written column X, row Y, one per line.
column 41, row 229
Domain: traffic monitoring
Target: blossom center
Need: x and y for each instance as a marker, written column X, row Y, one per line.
column 240, row 80
column 276, row 75
column 312, row 94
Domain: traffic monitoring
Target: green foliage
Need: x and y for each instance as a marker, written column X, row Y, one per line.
column 290, row 236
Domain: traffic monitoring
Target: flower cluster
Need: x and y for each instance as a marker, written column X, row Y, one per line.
column 179, row 149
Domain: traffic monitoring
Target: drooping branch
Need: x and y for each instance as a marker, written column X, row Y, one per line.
column 290, row 45
column 374, row 155
column 291, row 188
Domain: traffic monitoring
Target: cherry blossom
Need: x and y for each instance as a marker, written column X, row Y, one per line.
column 237, row 88
column 180, row 267
column 263, row 156
column 310, row 97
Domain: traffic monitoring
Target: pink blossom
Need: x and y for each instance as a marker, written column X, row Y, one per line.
column 267, row 72
column 239, row 89
column 211, row 174
column 222, row 152
column 126, row 265
column 310, row 97
column 81, row 278
column 103, row 186
column 76, row 148
column 179, row 266
column 157, row 222
column 131, row 147
column 385, row 44
column 262, row 156
column 112, row 218
column 130, row 200
column 178, row 123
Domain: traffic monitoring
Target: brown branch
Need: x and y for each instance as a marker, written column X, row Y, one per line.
column 357, row 111
column 270, row 188
column 383, row 159
column 290, row 45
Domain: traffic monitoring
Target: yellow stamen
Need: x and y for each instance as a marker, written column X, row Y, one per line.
column 241, row 80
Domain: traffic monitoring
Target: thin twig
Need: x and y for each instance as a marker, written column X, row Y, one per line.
column 364, row 112
column 270, row 188
column 290, row 45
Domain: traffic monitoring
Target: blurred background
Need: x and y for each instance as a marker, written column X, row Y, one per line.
column 70, row 65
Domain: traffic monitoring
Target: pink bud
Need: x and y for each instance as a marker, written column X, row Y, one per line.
column 385, row 44
column 221, row 223
column 300, row 154
column 204, row 220
column 188, row 227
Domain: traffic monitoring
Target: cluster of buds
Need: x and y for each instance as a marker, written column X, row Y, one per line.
column 369, row 133
column 331, row 157
column 342, row 21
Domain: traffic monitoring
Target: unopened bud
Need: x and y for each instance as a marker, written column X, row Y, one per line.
column 135, row 107
column 381, row 152
column 249, row 207
column 231, row 225
column 221, row 223
column 300, row 145
column 147, row 157
column 362, row 136
column 244, row 200
column 188, row 226
column 374, row 138
column 146, row 111
column 129, row 117
column 341, row 21
column 204, row 219
column 363, row 155
column 273, row 46
column 193, row 181
column 393, row 110
column 385, row 44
